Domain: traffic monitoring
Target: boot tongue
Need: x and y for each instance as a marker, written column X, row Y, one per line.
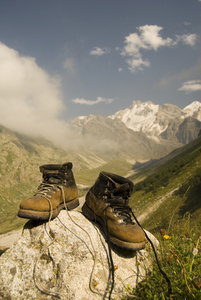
column 52, row 178
column 119, row 201
column 119, row 195
column 120, row 188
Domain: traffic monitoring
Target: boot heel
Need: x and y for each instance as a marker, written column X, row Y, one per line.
column 88, row 212
column 72, row 204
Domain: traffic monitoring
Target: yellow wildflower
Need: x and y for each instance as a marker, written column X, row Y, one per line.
column 167, row 237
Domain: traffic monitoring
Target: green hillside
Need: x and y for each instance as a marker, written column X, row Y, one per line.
column 168, row 204
column 171, row 189
column 20, row 158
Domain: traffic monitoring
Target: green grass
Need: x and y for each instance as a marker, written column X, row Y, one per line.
column 180, row 258
column 10, row 200
column 176, row 187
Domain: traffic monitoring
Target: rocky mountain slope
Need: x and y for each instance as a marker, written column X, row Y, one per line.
column 112, row 138
column 167, row 122
column 141, row 132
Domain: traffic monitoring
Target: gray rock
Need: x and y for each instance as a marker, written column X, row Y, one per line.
column 8, row 239
column 68, row 258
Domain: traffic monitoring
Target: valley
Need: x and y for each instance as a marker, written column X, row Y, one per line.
column 107, row 145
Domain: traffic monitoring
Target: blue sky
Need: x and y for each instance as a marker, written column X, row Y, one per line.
column 60, row 59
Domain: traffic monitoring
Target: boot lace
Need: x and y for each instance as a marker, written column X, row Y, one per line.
column 118, row 201
column 119, row 205
column 122, row 210
column 45, row 188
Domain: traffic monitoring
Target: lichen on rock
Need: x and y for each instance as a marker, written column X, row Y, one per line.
column 68, row 258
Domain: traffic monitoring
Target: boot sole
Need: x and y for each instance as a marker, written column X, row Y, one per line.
column 44, row 215
column 89, row 213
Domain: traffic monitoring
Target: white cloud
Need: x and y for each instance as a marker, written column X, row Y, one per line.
column 30, row 99
column 83, row 101
column 97, row 51
column 31, row 102
column 149, row 38
column 70, row 66
column 188, row 39
column 137, row 63
column 191, row 86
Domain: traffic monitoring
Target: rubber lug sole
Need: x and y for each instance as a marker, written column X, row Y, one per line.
column 44, row 215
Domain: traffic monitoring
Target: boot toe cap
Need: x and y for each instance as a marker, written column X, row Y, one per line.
column 36, row 204
column 130, row 233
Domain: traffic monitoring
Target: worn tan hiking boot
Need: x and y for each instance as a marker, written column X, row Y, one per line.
column 107, row 203
column 57, row 191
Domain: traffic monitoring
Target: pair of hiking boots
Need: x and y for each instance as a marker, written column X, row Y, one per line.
column 106, row 202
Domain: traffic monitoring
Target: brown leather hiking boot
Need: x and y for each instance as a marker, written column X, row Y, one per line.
column 107, row 202
column 57, row 191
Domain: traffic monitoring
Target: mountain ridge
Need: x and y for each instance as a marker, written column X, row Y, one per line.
column 112, row 138
column 147, row 116
column 140, row 131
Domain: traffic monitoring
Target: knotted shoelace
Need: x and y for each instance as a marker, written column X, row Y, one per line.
column 45, row 188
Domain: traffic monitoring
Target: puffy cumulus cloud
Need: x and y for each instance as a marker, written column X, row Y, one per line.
column 149, row 34
column 30, row 99
column 149, row 38
column 83, row 101
column 191, row 86
column 97, row 51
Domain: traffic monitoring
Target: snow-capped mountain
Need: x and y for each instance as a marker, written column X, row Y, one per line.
column 192, row 110
column 142, row 131
column 112, row 138
column 154, row 119
column 139, row 116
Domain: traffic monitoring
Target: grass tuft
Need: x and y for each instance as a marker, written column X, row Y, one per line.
column 180, row 258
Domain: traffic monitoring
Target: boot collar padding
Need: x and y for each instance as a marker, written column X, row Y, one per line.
column 120, row 183
column 55, row 168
